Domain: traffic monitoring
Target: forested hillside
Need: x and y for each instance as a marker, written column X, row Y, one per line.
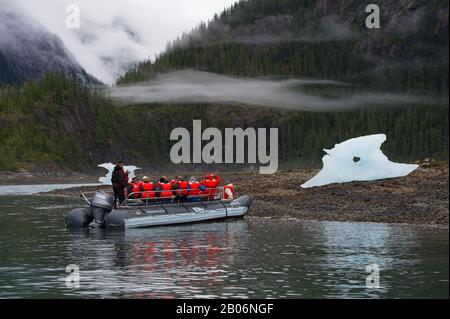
column 318, row 39
column 58, row 123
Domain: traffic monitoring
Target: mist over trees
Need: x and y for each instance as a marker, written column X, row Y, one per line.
column 59, row 124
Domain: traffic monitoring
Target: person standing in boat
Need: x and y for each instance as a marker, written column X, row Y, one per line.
column 119, row 180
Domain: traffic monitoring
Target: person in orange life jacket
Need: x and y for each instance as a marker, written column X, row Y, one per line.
column 175, row 180
column 184, row 184
column 166, row 190
column 157, row 188
column 194, row 190
column 211, row 182
column 228, row 191
column 146, row 188
column 134, row 187
column 179, row 185
column 174, row 184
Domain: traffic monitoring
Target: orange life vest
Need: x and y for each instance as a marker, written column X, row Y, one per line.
column 194, row 189
column 166, row 190
column 146, row 188
column 211, row 182
column 230, row 187
column 210, row 190
column 183, row 188
column 135, row 188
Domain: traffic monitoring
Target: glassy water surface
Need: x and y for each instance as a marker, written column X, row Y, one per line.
column 247, row 258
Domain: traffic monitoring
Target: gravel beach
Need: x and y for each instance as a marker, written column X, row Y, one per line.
column 419, row 198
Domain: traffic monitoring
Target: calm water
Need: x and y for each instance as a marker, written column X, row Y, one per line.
column 34, row 189
column 254, row 257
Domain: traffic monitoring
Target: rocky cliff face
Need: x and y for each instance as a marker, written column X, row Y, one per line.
column 29, row 51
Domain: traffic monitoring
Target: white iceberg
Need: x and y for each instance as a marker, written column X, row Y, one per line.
column 358, row 159
column 106, row 180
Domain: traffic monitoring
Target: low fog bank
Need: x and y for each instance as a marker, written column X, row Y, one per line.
column 190, row 86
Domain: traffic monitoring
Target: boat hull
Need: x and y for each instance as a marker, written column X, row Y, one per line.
column 165, row 214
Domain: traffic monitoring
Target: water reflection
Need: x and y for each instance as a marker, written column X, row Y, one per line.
column 254, row 257
column 159, row 262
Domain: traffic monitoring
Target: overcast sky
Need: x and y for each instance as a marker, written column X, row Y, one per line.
column 114, row 33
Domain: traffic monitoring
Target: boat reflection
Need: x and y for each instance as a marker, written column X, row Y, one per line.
column 166, row 262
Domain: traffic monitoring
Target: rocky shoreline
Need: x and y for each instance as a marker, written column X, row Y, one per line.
column 421, row 198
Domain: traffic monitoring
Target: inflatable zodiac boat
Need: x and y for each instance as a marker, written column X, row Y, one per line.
column 137, row 214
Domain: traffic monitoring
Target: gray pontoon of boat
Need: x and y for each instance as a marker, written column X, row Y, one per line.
column 138, row 214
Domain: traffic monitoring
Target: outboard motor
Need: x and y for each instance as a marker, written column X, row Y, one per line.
column 102, row 203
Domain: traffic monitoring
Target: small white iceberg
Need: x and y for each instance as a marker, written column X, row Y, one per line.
column 358, row 159
column 106, row 180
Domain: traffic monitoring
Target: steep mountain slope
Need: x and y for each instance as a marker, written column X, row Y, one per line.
column 29, row 51
column 320, row 39
column 58, row 124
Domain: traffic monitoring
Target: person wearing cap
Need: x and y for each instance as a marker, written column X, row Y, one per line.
column 119, row 180
column 134, row 187
column 147, row 189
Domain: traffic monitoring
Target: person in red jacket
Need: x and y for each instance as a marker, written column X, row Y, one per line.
column 180, row 187
column 146, row 188
column 134, row 187
column 195, row 188
column 211, row 183
column 166, row 190
column 228, row 191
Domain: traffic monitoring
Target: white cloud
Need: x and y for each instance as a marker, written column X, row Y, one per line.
column 114, row 34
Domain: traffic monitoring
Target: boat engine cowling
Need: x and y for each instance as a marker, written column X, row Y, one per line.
column 102, row 203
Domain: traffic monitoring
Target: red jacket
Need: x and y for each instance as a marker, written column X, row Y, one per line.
column 183, row 188
column 166, row 190
column 231, row 188
column 147, row 190
column 136, row 188
column 211, row 182
column 194, row 188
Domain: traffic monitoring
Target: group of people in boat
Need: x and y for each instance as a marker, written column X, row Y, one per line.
column 164, row 190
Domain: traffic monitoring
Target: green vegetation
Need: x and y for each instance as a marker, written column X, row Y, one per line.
column 231, row 44
column 58, row 124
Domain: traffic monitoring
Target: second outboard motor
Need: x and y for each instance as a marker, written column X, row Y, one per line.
column 101, row 204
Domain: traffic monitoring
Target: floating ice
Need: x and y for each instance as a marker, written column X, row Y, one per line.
column 358, row 159
column 106, row 180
